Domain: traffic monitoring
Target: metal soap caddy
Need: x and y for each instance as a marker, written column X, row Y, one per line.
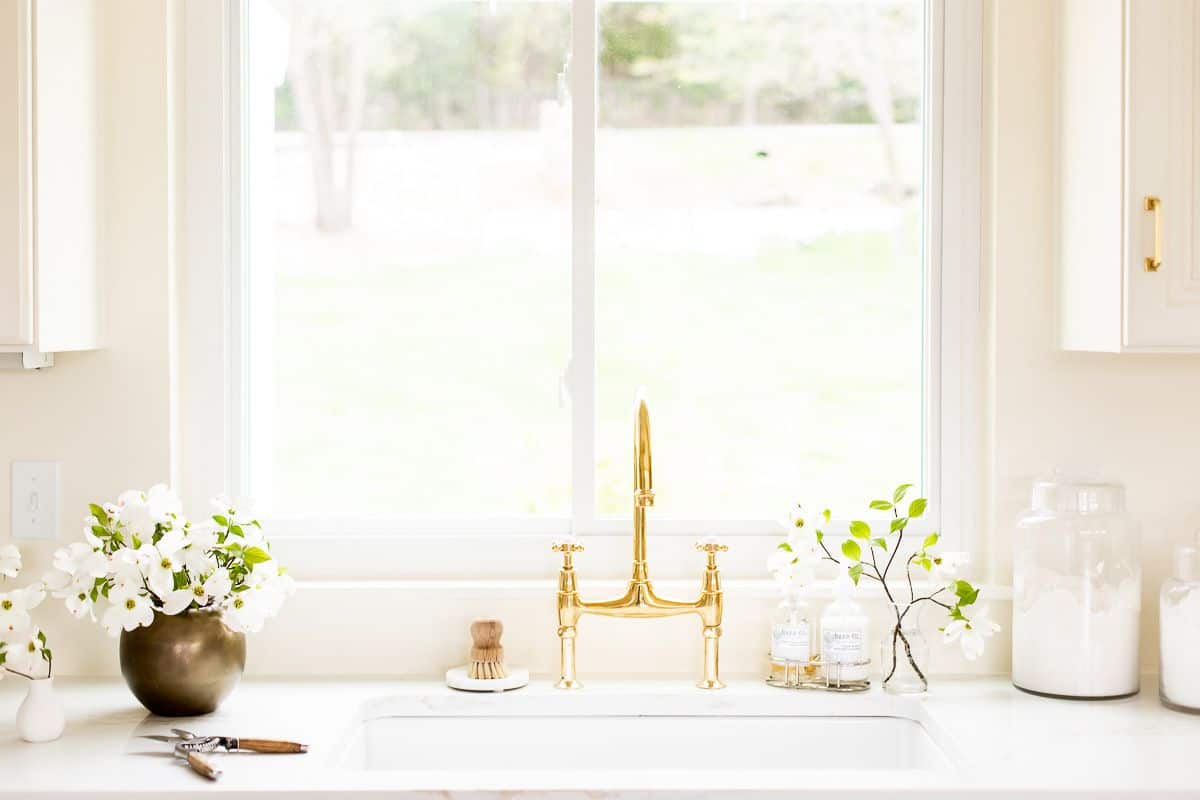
column 812, row 674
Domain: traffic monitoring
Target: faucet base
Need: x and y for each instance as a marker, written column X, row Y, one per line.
column 710, row 684
column 568, row 684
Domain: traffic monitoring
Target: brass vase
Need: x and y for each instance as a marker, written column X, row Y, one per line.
column 183, row 665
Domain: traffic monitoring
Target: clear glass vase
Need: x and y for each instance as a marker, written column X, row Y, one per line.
column 904, row 651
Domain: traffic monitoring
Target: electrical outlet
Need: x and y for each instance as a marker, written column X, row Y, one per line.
column 34, row 499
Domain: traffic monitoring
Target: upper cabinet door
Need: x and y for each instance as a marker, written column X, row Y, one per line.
column 1128, row 183
column 16, row 262
column 1162, row 203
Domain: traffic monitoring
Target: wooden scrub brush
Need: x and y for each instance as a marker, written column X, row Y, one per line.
column 487, row 654
column 486, row 671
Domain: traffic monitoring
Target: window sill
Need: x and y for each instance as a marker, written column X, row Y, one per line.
column 546, row 587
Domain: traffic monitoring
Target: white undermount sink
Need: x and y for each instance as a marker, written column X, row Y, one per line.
column 542, row 740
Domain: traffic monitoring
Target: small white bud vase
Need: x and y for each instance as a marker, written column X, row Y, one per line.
column 40, row 717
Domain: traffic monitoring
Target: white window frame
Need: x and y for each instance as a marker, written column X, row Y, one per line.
column 215, row 405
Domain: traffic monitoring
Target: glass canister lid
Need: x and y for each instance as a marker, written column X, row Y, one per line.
column 1060, row 495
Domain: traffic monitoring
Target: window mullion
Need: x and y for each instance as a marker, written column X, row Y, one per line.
column 582, row 84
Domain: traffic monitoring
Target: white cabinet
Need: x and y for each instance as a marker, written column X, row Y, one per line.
column 50, row 293
column 1128, row 183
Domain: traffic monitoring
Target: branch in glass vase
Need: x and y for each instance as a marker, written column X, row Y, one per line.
column 865, row 550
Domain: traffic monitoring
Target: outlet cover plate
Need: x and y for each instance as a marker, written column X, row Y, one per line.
column 34, row 499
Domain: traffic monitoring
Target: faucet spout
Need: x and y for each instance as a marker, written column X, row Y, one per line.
column 643, row 484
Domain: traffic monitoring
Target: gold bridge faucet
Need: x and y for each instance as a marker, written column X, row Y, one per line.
column 639, row 599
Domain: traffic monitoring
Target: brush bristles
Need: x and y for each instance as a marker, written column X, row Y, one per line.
column 487, row 670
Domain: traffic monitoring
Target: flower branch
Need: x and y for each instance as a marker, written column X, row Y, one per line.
column 862, row 553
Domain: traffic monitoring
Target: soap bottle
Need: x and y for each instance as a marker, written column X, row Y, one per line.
column 844, row 637
column 791, row 632
column 791, row 640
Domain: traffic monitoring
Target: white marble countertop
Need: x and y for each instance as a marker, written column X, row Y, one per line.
column 1004, row 743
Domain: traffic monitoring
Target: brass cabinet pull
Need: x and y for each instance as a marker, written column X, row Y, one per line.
column 1154, row 206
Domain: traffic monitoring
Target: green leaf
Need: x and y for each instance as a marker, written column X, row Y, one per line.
column 100, row 531
column 255, row 523
column 825, row 516
column 221, row 520
column 881, row 505
column 930, row 541
column 966, row 593
column 851, row 550
column 820, row 536
column 255, row 555
column 46, row 654
column 898, row 523
column 860, row 529
column 784, row 546
column 901, row 490
column 41, row 637
column 880, row 543
column 98, row 512
column 856, row 573
column 237, row 529
column 925, row 563
column 917, row 507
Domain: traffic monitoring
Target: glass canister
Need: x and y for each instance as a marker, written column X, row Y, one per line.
column 1179, row 631
column 1077, row 586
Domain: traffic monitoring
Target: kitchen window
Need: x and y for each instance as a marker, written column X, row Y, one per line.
column 460, row 235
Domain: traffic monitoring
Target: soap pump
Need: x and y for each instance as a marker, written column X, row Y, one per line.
column 844, row 637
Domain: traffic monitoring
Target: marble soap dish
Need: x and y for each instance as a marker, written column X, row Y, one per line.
column 460, row 678
column 487, row 671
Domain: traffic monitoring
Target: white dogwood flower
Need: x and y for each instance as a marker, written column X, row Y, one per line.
column 23, row 654
column 176, row 601
column 950, row 565
column 16, row 605
column 166, row 560
column 127, row 567
column 10, row 561
column 80, row 605
column 78, row 558
column 198, row 556
column 127, row 610
column 216, row 586
column 970, row 633
column 141, row 512
column 245, row 612
column 269, row 587
column 793, row 564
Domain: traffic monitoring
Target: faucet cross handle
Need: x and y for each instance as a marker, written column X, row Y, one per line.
column 568, row 548
column 710, row 547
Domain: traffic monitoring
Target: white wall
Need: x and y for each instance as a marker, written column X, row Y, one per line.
column 1131, row 418
column 108, row 415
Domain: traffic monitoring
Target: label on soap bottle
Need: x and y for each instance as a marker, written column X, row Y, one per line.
column 843, row 647
column 790, row 643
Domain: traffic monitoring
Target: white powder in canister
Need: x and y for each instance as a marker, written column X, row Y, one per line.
column 1078, row 640
column 1180, row 650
